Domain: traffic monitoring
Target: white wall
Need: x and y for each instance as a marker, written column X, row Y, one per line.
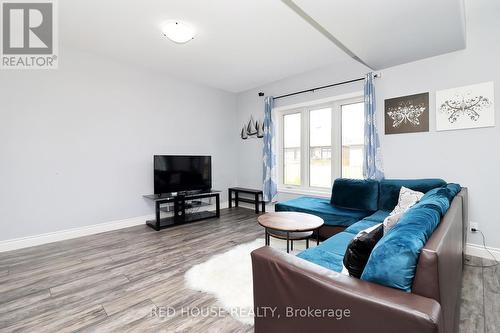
column 469, row 157
column 76, row 144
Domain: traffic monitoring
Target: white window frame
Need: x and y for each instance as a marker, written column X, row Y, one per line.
column 335, row 103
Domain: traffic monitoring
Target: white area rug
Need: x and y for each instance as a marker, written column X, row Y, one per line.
column 228, row 276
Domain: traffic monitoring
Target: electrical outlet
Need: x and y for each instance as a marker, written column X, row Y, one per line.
column 474, row 225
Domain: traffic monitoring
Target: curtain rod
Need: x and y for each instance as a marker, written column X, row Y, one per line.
column 318, row 88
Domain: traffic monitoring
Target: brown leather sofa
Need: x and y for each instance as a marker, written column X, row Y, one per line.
column 304, row 295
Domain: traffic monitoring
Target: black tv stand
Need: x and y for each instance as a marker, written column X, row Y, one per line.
column 182, row 204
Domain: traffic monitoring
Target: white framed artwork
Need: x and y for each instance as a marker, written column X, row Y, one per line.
column 465, row 107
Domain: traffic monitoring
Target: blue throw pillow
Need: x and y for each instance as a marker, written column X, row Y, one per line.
column 394, row 259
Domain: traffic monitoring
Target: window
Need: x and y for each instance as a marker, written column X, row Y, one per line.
column 291, row 126
column 320, row 143
column 352, row 140
column 320, row 147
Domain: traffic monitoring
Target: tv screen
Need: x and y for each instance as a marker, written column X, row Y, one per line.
column 174, row 173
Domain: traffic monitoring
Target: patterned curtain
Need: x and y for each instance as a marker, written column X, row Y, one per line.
column 270, row 187
column 372, row 163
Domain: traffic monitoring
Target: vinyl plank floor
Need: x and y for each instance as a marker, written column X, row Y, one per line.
column 114, row 281
column 24, row 301
column 72, row 320
column 480, row 306
column 491, row 277
column 107, row 282
column 471, row 309
column 120, row 321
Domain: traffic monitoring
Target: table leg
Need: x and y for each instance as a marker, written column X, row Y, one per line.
column 229, row 194
column 217, row 205
column 317, row 236
column 291, row 245
column 263, row 205
column 307, row 243
column 287, row 242
column 256, row 204
column 157, row 215
column 266, row 238
column 236, row 198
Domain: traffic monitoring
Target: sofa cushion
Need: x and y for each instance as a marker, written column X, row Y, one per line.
column 330, row 253
column 361, row 225
column 407, row 199
column 394, row 259
column 323, row 258
column 359, row 249
column 447, row 192
column 367, row 222
column 390, row 221
column 389, row 189
column 337, row 244
column 355, row 194
column 333, row 216
column 378, row 216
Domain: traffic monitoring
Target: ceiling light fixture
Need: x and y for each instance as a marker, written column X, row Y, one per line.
column 178, row 32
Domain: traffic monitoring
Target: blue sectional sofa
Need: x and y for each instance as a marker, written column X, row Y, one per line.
column 353, row 200
column 406, row 238
column 411, row 281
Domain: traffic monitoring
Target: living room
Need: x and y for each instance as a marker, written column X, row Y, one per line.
column 268, row 166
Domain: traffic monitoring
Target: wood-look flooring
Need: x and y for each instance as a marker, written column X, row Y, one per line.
column 114, row 281
column 480, row 307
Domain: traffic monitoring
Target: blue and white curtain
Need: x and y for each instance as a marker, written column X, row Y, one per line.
column 270, row 187
column 372, row 163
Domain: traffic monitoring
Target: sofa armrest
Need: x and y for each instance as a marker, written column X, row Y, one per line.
column 294, row 295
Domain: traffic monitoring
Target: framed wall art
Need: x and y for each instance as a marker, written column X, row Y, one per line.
column 407, row 114
column 465, row 107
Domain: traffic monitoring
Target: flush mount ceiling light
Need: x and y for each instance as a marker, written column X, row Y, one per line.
column 178, row 31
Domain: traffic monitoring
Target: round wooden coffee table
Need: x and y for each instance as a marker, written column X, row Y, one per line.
column 290, row 226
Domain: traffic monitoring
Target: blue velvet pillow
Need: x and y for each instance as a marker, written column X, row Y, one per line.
column 393, row 261
column 389, row 189
column 359, row 194
column 440, row 197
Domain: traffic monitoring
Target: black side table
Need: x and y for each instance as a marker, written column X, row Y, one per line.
column 258, row 197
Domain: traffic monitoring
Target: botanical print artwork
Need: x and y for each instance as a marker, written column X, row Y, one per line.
column 407, row 114
column 465, row 107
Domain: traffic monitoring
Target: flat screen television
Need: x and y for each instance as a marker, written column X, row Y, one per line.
column 175, row 173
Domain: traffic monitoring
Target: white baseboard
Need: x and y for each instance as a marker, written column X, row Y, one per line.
column 29, row 241
column 19, row 243
column 480, row 251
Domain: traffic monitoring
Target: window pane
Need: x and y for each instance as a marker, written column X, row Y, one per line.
column 321, row 127
column 292, row 166
column 291, row 151
column 291, row 130
column 352, row 140
column 320, row 170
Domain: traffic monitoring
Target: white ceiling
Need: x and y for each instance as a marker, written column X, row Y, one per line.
column 242, row 44
column 386, row 33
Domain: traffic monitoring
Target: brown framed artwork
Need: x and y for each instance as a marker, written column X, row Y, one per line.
column 407, row 114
